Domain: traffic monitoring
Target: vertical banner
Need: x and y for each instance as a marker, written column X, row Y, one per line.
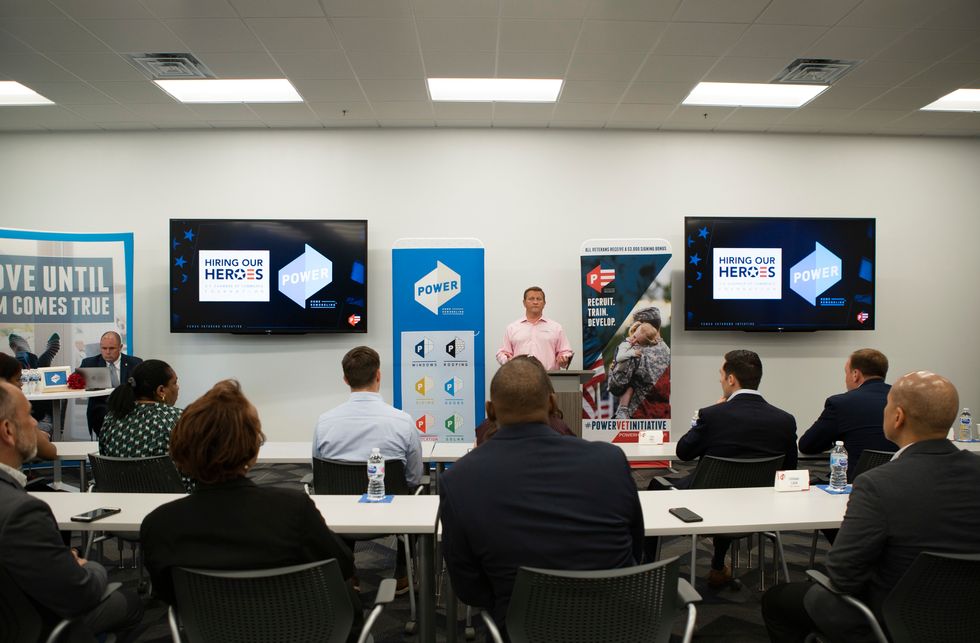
column 626, row 307
column 437, row 320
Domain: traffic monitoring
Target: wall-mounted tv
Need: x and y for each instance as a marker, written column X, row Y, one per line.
column 779, row 274
column 268, row 276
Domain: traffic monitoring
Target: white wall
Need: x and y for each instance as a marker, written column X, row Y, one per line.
column 532, row 197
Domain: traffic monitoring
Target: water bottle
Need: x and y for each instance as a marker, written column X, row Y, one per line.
column 838, row 467
column 376, row 476
column 966, row 430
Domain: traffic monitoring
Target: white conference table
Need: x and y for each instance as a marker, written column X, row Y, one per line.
column 58, row 398
column 344, row 514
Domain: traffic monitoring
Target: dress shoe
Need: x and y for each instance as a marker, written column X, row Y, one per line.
column 718, row 578
column 401, row 585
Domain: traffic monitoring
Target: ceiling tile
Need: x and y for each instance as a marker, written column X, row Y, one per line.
column 465, row 123
column 459, row 64
column 538, row 35
column 395, row 90
column 698, row 39
column 133, row 92
column 102, row 8
column 47, row 35
column 549, row 9
column 284, row 113
column 641, row 114
column 456, row 8
column 181, row 125
column 746, row 70
column 843, row 97
column 955, row 14
column 592, row 91
column 882, row 73
column 277, row 9
column 906, row 98
column 253, row 124
column 72, row 93
column 696, row 116
column 403, row 123
column 131, row 36
column 165, row 112
column 871, row 117
column 356, row 110
column 968, row 54
column 720, row 10
column 948, row 75
column 853, row 43
column 124, row 125
column 814, row 116
column 755, row 117
column 370, row 34
column 372, row 9
column 106, row 113
column 604, row 66
column 891, row 13
column 195, row 9
column 10, row 45
column 215, row 34
column 315, row 64
column 658, row 93
column 382, row 65
column 794, row 12
column 599, row 36
column 633, row 9
column 242, row 65
column 583, row 112
column 92, row 67
column 294, row 34
column 532, row 65
column 458, row 34
column 28, row 9
column 224, row 112
column 676, row 69
column 410, row 110
column 463, row 111
column 927, row 44
column 522, row 112
column 314, row 91
column 776, row 41
column 349, row 123
column 28, row 68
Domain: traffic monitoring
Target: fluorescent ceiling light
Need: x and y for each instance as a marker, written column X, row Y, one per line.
column 504, row 90
column 962, row 100
column 250, row 90
column 753, row 94
column 13, row 93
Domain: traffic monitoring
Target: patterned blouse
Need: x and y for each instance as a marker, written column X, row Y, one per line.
column 143, row 433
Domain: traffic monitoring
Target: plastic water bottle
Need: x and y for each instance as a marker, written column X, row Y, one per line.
column 966, row 430
column 376, row 476
column 838, row 467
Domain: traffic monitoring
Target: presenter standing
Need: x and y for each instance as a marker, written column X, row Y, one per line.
column 535, row 335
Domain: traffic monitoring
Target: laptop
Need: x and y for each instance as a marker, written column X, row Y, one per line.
column 96, row 377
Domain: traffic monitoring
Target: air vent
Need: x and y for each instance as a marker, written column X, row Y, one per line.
column 170, row 66
column 815, row 71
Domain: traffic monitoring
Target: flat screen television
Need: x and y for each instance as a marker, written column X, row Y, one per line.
column 779, row 274
column 268, row 276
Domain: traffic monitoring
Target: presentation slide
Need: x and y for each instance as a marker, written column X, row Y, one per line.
column 775, row 274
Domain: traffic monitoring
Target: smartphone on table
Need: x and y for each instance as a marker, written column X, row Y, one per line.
column 96, row 514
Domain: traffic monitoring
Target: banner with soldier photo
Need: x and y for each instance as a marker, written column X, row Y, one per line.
column 626, row 314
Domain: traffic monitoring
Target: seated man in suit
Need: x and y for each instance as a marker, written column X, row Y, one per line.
column 56, row 580
column 120, row 368
column 854, row 416
column 925, row 499
column 521, row 499
column 740, row 425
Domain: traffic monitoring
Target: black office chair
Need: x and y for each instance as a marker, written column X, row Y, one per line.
column 933, row 602
column 301, row 603
column 714, row 472
column 342, row 477
column 633, row 604
column 155, row 474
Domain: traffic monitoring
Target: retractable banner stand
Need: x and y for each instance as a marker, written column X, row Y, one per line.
column 59, row 292
column 438, row 314
column 626, row 306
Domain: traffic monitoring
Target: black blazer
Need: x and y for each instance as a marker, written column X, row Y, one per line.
column 97, row 406
column 531, row 497
column 746, row 426
column 854, row 417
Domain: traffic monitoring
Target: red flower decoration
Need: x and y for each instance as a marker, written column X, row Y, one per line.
column 76, row 381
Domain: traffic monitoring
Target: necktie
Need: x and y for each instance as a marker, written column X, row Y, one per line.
column 113, row 375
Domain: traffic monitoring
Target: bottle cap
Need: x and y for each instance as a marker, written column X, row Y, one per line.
column 839, row 443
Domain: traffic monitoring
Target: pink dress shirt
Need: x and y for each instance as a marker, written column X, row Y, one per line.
column 544, row 339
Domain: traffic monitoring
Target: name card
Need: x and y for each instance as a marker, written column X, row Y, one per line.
column 793, row 480
column 650, row 437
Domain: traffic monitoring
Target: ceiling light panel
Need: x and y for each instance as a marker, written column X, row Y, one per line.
column 753, row 95
column 504, row 90
column 244, row 90
column 13, row 93
column 962, row 100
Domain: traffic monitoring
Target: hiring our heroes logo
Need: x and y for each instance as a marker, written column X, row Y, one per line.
column 233, row 275
column 748, row 273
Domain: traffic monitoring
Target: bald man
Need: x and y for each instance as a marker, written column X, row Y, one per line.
column 925, row 499
column 522, row 499
column 120, row 368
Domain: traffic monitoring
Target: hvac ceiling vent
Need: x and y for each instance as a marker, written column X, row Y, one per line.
column 815, row 71
column 170, row 66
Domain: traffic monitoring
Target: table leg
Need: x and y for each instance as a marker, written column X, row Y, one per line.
column 452, row 624
column 427, row 589
column 56, row 428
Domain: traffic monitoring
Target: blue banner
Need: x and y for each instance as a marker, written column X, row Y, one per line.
column 438, row 315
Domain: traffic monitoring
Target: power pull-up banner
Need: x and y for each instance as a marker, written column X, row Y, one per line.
column 626, row 302
column 438, row 321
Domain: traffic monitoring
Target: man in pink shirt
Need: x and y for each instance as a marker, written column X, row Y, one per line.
column 534, row 335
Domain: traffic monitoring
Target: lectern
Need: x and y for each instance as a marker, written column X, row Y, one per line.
column 568, row 390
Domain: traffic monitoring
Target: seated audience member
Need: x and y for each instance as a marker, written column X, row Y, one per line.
column 740, row 425
column 60, row 583
column 229, row 522
column 10, row 371
column 43, row 412
column 854, row 416
column 521, row 499
column 925, row 499
column 120, row 369
column 141, row 413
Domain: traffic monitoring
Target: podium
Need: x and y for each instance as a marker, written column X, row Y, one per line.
column 568, row 390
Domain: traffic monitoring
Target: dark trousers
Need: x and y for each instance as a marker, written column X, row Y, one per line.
column 400, row 569
column 794, row 610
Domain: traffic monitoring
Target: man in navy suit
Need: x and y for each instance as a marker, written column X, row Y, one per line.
column 521, row 498
column 120, row 368
column 740, row 425
column 854, row 416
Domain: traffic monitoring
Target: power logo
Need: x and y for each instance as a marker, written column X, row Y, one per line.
column 455, row 347
column 438, row 287
column 424, row 422
column 453, row 386
column 815, row 273
column 354, row 320
column 599, row 277
column 453, row 422
column 305, row 275
column 423, row 348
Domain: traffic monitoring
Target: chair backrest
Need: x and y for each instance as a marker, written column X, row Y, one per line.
column 871, row 458
column 623, row 605
column 135, row 475
column 299, row 603
column 935, row 601
column 730, row 473
column 344, row 478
